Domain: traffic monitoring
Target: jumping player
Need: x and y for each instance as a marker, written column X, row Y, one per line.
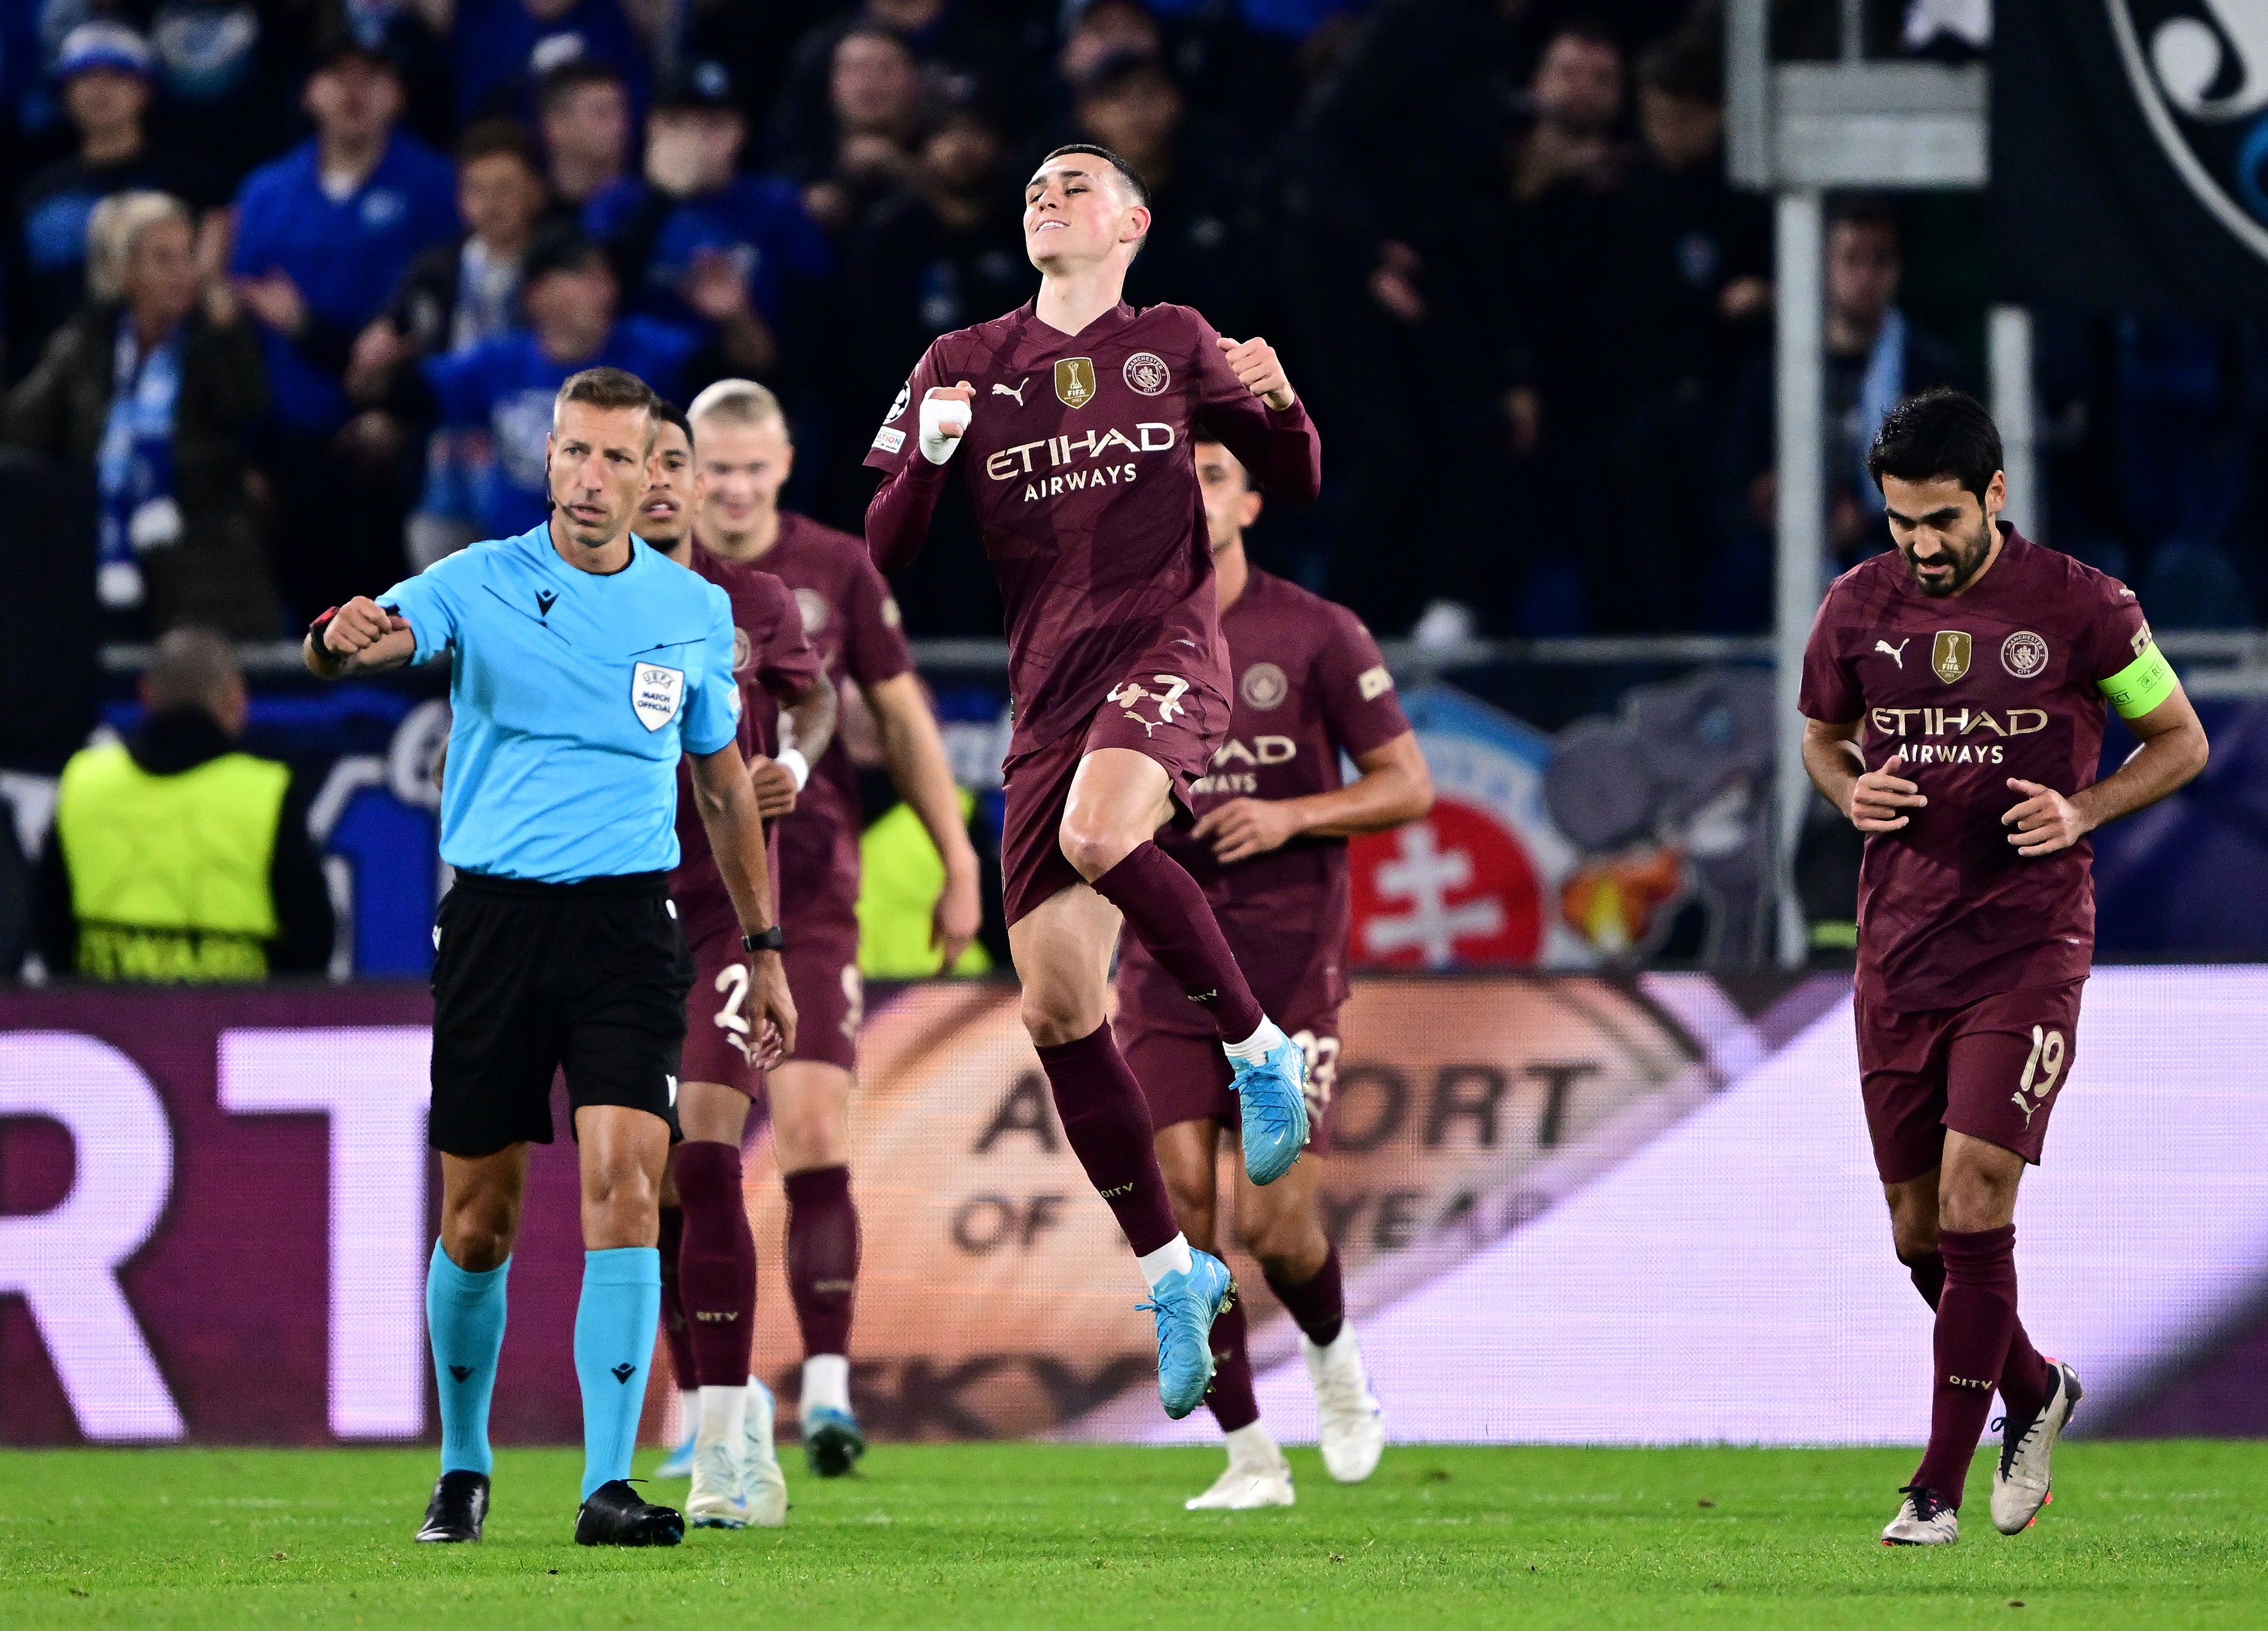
column 1955, row 690
column 584, row 665
column 1268, row 847
column 848, row 615
column 1073, row 416
column 708, row 1253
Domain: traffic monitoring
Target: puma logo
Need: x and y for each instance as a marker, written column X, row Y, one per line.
column 1896, row 653
column 544, row 600
column 1001, row 390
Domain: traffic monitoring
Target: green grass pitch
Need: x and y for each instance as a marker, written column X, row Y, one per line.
column 2142, row 1535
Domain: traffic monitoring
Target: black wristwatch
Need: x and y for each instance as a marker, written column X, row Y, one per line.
column 770, row 939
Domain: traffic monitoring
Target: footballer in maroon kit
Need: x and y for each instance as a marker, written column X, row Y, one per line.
column 1955, row 688
column 853, row 622
column 1072, row 419
column 708, row 1251
column 1268, row 845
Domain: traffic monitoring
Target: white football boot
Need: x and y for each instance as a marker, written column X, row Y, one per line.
column 1349, row 1423
column 1257, row 1476
column 2020, row 1477
column 765, row 1484
column 1923, row 1520
column 716, row 1500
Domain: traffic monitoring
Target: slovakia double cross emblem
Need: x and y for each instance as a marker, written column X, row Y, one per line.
column 655, row 694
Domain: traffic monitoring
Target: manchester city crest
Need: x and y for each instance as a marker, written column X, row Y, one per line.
column 1146, row 374
column 2199, row 71
column 1075, row 381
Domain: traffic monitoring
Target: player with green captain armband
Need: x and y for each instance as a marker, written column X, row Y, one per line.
column 1954, row 688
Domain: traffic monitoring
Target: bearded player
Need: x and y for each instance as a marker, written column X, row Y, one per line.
column 1072, row 419
column 1269, row 847
column 708, row 1251
column 1954, row 688
column 852, row 621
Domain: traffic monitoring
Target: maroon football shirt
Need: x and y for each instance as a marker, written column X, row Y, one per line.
column 1078, row 460
column 851, row 622
column 1998, row 680
column 773, row 662
column 1309, row 685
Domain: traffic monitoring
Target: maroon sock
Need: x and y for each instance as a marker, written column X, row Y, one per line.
column 2025, row 1378
column 1975, row 1319
column 1928, row 1274
column 717, row 1265
column 822, row 1257
column 1171, row 917
column 672, row 1308
column 1108, row 1122
column 1230, row 1397
column 1317, row 1305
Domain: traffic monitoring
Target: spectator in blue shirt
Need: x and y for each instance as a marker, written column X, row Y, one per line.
column 494, row 402
column 323, row 236
column 104, row 71
column 583, row 112
column 695, row 242
column 504, row 47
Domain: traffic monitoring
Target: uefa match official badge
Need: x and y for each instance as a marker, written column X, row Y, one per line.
column 656, row 693
column 2023, row 653
column 1146, row 375
column 1948, row 654
column 1075, row 381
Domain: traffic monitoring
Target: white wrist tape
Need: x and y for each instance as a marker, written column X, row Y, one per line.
column 798, row 766
column 937, row 411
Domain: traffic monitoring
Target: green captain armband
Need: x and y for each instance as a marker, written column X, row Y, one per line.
column 2141, row 685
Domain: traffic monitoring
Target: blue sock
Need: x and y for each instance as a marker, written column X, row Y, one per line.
column 464, row 1320
column 614, row 1349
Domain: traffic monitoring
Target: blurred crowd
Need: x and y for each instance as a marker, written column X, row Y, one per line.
column 289, row 282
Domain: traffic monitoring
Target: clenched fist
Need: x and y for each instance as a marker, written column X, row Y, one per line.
column 1255, row 365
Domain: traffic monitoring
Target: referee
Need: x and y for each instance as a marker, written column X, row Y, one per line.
column 584, row 665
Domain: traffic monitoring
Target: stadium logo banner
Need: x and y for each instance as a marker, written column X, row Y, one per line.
column 2130, row 139
column 216, row 1207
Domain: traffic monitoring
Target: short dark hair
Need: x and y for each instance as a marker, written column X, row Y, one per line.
column 1862, row 209
column 667, row 412
column 1588, row 30
column 499, row 137
column 572, row 76
column 1126, row 171
column 558, row 247
column 1686, row 63
column 608, row 389
column 1939, row 433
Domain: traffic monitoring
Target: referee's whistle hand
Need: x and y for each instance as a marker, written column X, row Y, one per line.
column 361, row 623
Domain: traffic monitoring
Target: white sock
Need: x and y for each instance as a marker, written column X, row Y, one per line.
column 724, row 1417
column 688, row 1412
column 826, row 1381
column 1173, row 1257
column 1252, row 1445
column 1255, row 1047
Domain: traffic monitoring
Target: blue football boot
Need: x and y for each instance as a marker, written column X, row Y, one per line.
column 1272, row 1099
column 1186, row 1305
column 680, row 1463
column 832, row 1440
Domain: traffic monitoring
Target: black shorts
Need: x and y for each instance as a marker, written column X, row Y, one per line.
column 530, row 978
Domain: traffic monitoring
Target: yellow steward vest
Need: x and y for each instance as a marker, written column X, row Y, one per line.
column 169, row 874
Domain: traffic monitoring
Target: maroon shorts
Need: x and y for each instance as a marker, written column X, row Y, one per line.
column 719, row 1030
column 822, row 977
column 1185, row 1075
column 1993, row 1070
column 1036, row 783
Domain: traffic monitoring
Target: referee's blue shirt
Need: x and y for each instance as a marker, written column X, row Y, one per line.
column 573, row 695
